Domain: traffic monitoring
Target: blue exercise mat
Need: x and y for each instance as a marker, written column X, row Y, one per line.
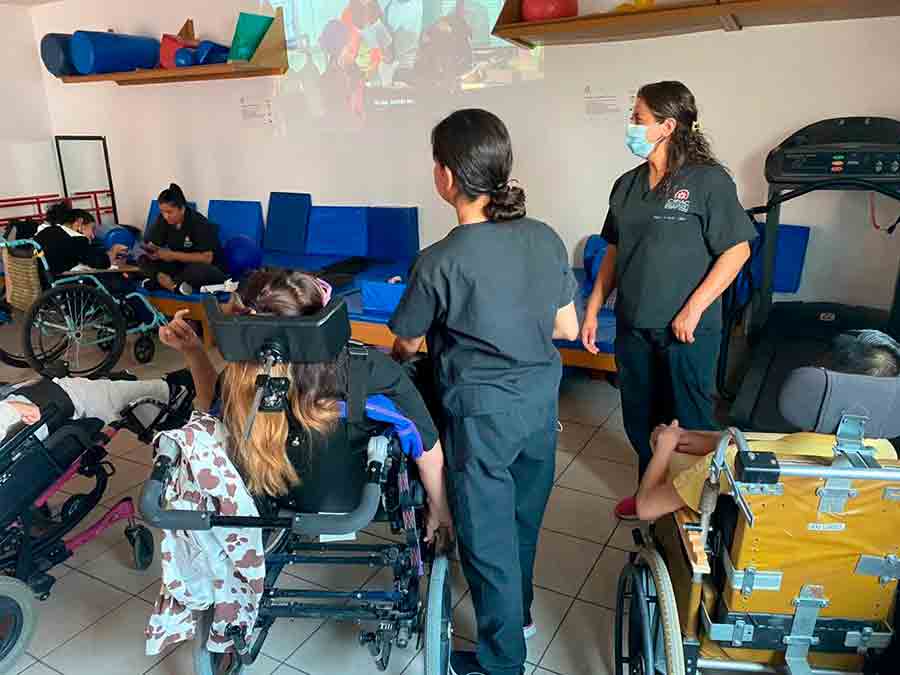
column 237, row 218
column 287, row 222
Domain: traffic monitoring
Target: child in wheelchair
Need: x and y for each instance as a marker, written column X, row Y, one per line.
column 304, row 460
column 681, row 460
column 51, row 432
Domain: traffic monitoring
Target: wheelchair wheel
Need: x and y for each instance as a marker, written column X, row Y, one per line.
column 78, row 324
column 17, row 620
column 141, row 540
column 11, row 351
column 212, row 663
column 144, row 349
column 438, row 619
column 651, row 641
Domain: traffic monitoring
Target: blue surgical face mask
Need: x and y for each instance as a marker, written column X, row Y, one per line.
column 636, row 140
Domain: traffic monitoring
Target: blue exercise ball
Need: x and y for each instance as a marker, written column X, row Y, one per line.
column 242, row 255
column 119, row 235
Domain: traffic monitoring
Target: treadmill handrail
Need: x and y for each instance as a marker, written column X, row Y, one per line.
column 831, row 183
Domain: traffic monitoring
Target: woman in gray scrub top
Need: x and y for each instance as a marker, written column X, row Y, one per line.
column 489, row 299
column 678, row 236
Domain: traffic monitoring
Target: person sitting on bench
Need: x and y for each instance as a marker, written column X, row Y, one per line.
column 181, row 249
column 681, row 457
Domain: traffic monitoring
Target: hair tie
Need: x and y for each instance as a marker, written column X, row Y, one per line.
column 696, row 127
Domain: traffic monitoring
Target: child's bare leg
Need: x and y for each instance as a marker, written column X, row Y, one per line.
column 105, row 400
column 656, row 496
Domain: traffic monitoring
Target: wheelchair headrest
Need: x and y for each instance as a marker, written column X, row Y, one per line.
column 814, row 399
column 308, row 339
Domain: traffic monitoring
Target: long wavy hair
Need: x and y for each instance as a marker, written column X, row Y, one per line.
column 688, row 146
column 313, row 396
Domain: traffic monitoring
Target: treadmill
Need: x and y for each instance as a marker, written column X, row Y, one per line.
column 850, row 153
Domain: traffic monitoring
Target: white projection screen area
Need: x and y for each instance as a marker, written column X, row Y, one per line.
column 355, row 58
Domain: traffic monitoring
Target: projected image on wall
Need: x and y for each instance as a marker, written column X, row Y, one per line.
column 353, row 57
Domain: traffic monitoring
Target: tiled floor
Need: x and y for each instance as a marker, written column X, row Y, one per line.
column 94, row 619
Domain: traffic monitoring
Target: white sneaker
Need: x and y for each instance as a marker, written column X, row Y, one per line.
column 529, row 631
column 185, row 288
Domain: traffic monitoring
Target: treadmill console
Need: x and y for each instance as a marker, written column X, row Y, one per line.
column 864, row 148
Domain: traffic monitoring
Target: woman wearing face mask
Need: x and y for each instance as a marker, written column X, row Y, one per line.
column 677, row 238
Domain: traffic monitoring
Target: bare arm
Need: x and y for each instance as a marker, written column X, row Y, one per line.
column 603, row 286
column 178, row 335
column 405, row 348
column 431, row 471
column 565, row 327
column 204, row 257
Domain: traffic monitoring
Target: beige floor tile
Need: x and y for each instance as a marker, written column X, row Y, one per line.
column 583, row 644
column 563, row 563
column 417, row 667
column 383, row 531
column 24, row 662
column 115, row 644
column 615, row 422
column 287, row 670
column 602, row 586
column 288, row 634
column 574, row 436
column 40, row 669
column 334, row 649
column 75, row 602
column 622, row 538
column 580, row 515
column 548, row 611
column 586, row 401
column 563, row 460
column 116, row 567
column 181, row 662
column 611, row 445
column 600, row 477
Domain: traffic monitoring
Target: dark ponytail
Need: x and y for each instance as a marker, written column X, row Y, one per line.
column 174, row 196
column 687, row 144
column 475, row 145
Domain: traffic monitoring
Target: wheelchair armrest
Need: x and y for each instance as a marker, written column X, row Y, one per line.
column 165, row 519
column 85, row 432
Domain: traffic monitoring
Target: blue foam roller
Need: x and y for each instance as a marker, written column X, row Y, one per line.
column 55, row 53
column 210, row 52
column 185, row 57
column 94, row 52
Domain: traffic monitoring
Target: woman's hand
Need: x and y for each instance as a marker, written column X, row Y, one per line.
column 589, row 334
column 685, row 324
column 165, row 254
column 439, row 524
column 179, row 335
column 115, row 252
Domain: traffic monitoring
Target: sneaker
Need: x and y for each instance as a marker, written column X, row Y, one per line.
column 465, row 663
column 529, row 630
column 185, row 288
column 626, row 509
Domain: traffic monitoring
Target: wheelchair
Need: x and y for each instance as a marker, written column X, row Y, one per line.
column 74, row 320
column 36, row 537
column 380, row 486
column 796, row 571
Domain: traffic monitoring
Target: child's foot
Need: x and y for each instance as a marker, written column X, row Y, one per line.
column 166, row 282
column 626, row 509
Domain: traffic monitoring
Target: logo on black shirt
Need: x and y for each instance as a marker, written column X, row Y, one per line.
column 188, row 243
column 680, row 201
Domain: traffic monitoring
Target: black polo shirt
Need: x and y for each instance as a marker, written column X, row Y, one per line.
column 667, row 244
column 196, row 235
column 486, row 299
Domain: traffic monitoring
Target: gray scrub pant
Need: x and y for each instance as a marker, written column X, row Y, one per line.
column 500, row 474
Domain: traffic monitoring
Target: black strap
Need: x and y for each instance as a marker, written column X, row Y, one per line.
column 45, row 392
column 357, row 382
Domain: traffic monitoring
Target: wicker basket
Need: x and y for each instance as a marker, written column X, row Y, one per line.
column 23, row 279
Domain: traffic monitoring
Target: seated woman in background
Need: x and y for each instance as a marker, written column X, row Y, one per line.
column 681, row 458
column 283, row 446
column 67, row 239
column 182, row 251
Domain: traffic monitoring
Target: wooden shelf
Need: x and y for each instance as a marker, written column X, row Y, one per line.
column 223, row 71
column 269, row 60
column 726, row 15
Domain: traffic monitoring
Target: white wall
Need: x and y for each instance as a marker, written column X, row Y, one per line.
column 755, row 88
column 27, row 160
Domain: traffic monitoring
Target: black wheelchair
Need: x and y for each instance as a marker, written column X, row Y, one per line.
column 380, row 486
